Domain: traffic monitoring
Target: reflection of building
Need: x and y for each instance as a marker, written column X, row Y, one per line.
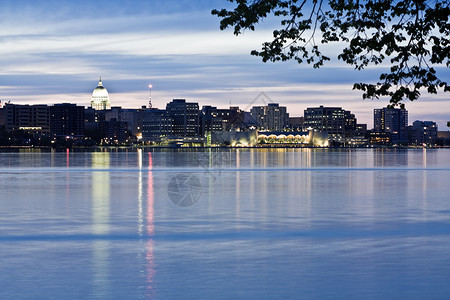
column 100, row 97
column 272, row 117
column 100, row 196
column 422, row 132
column 333, row 120
column 393, row 121
column 27, row 117
column 185, row 118
column 67, row 119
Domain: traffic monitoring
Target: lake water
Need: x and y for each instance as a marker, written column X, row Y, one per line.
column 225, row 224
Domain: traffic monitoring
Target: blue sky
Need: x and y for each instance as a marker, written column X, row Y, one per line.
column 54, row 51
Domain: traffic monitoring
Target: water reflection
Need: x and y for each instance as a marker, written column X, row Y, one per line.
column 140, row 196
column 100, row 223
column 146, row 226
column 150, row 229
column 347, row 228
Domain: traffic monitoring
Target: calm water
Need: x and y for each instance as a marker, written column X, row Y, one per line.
column 231, row 224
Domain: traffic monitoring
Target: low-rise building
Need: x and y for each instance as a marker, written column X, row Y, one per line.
column 26, row 117
column 336, row 121
column 423, row 132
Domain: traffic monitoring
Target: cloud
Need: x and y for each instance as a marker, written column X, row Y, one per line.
column 53, row 53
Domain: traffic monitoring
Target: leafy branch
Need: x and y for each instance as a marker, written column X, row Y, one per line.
column 411, row 36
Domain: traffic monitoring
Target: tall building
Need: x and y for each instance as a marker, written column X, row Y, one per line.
column 156, row 125
column 27, row 117
column 67, row 119
column 393, row 121
column 100, row 97
column 185, row 118
column 2, row 117
column 271, row 117
column 336, row 121
column 210, row 120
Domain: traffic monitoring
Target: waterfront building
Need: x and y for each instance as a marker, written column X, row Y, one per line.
column 393, row 121
column 296, row 123
column 380, row 138
column 336, row 121
column 67, row 120
column 93, row 118
column 211, row 120
column 210, row 123
column 361, row 130
column 249, row 122
column 422, row 132
column 234, row 138
column 231, row 117
column 133, row 118
column 156, row 125
column 185, row 118
column 2, row 115
column 283, row 137
column 271, row 117
column 115, row 131
column 26, row 117
column 100, row 97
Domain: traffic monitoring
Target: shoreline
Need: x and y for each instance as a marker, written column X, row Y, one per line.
column 95, row 148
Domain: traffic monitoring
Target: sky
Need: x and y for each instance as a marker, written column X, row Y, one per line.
column 54, row 51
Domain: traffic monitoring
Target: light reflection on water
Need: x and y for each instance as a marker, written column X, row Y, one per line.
column 270, row 223
column 100, row 224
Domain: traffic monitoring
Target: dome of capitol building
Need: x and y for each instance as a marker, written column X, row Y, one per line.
column 100, row 97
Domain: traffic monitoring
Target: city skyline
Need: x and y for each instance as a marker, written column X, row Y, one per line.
column 55, row 53
column 261, row 101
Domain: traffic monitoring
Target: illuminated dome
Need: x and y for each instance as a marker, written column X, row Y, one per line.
column 100, row 97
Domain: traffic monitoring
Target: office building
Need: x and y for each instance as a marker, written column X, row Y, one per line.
column 156, row 125
column 67, row 120
column 185, row 118
column 27, row 117
column 115, row 131
column 423, row 132
column 271, row 117
column 393, row 121
column 336, row 121
column 133, row 118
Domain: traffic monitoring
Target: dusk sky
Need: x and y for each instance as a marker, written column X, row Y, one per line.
column 55, row 51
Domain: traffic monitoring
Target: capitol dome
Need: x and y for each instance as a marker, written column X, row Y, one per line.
column 100, row 97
